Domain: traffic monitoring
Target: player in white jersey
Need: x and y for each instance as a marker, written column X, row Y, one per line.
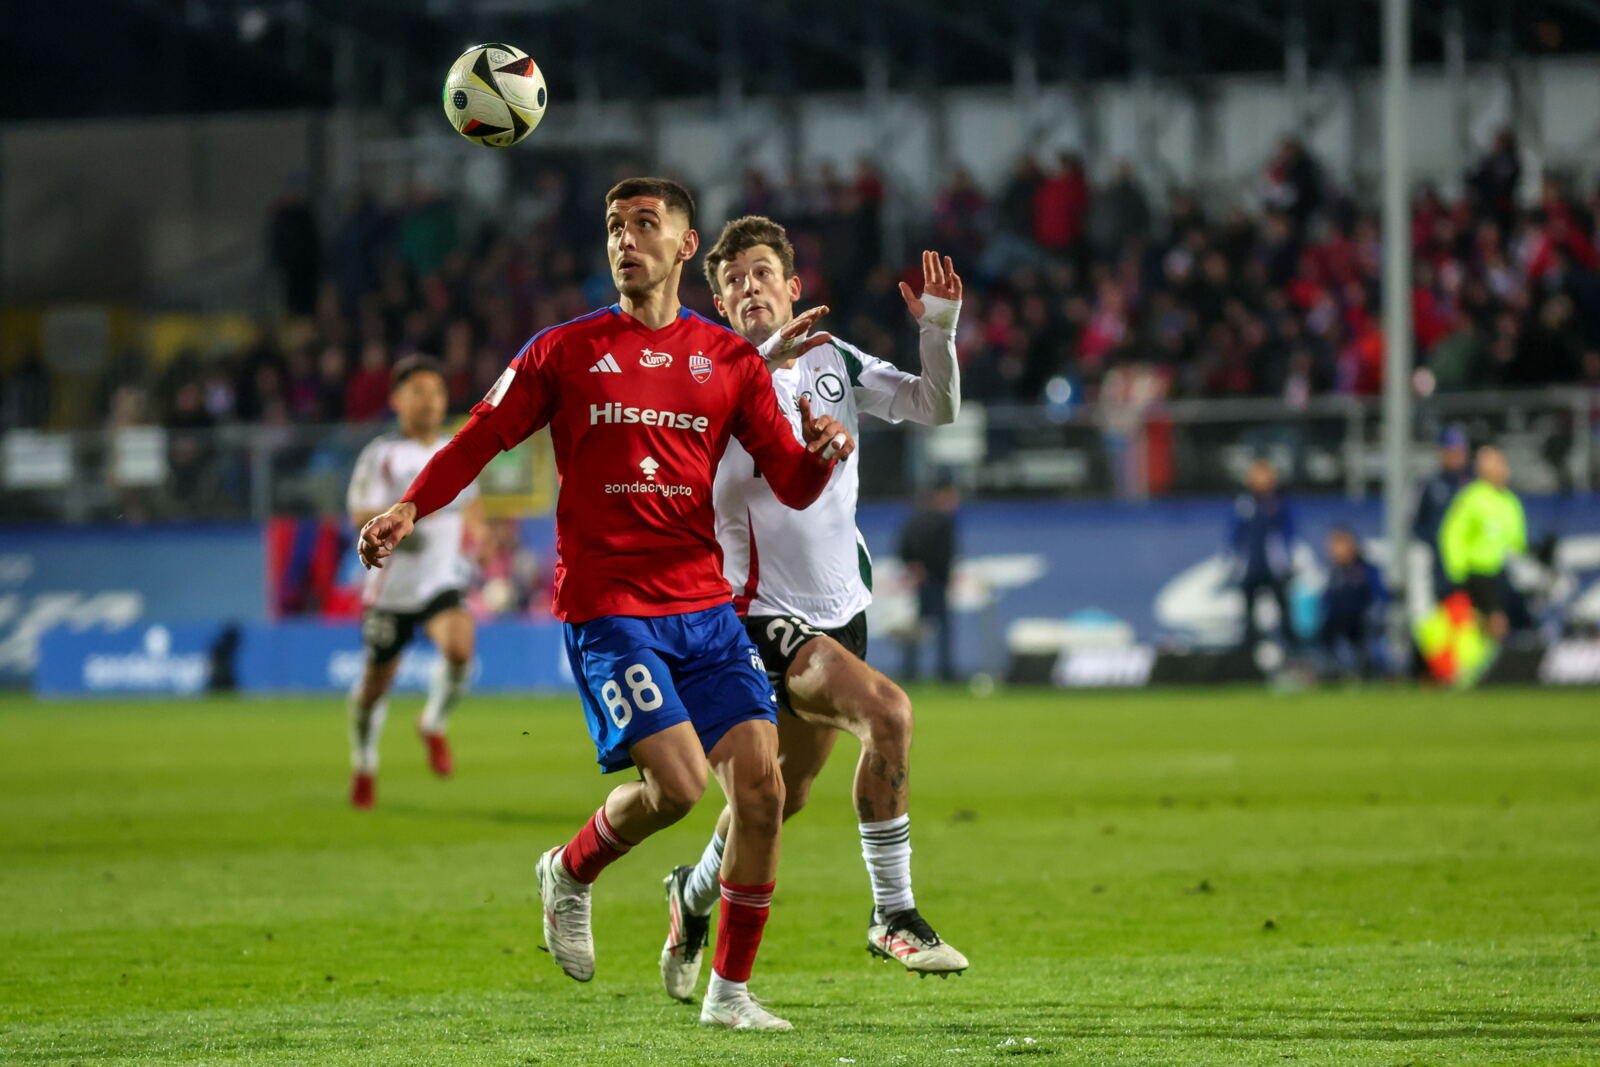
column 422, row 586
column 802, row 582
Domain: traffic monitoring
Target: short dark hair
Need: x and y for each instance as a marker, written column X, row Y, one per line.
column 413, row 365
column 743, row 234
column 676, row 196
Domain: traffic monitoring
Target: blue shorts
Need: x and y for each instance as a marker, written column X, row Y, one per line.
column 638, row 676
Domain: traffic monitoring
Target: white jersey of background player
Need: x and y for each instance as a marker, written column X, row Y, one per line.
column 423, row 584
column 801, row 583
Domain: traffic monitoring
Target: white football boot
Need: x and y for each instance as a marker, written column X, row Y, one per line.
column 740, row 1011
column 906, row 938
column 567, row 935
column 684, row 951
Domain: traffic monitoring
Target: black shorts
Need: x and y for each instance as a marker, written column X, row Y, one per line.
column 387, row 633
column 779, row 639
column 1486, row 593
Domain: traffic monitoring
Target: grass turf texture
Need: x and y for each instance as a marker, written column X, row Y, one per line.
column 1377, row 877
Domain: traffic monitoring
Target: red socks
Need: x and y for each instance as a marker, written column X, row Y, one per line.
column 744, row 916
column 594, row 848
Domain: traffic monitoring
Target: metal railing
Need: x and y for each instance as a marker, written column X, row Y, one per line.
column 150, row 473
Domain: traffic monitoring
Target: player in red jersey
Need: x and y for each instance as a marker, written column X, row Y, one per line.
column 641, row 398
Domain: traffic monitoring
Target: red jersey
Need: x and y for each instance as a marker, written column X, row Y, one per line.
column 639, row 419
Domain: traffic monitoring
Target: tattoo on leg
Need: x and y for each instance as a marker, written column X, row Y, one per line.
column 891, row 775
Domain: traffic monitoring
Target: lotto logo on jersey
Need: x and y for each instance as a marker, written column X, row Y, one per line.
column 700, row 367
column 648, row 358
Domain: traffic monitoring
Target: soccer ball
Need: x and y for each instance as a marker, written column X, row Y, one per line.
column 494, row 95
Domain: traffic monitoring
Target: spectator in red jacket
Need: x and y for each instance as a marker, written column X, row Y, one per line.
column 1060, row 203
column 366, row 397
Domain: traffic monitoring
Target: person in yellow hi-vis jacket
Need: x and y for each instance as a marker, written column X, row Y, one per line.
column 1482, row 528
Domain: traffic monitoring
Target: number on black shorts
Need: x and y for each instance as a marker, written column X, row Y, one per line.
column 789, row 635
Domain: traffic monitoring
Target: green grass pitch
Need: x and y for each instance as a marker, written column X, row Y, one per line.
column 1359, row 877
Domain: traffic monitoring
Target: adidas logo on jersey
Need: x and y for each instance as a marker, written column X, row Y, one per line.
column 606, row 365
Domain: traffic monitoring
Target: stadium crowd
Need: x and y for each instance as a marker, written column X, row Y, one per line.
column 1070, row 283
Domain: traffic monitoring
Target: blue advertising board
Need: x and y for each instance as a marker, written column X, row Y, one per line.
column 1152, row 571
column 115, row 576
column 1156, row 569
column 317, row 656
column 290, row 657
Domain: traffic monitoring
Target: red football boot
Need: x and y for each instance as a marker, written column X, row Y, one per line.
column 363, row 790
column 438, row 751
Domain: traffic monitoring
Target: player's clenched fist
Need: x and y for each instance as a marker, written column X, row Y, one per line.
column 825, row 436
column 383, row 532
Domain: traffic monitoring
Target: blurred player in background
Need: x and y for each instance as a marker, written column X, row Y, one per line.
column 1483, row 528
column 641, row 399
column 928, row 543
column 423, row 586
column 1261, row 544
column 1454, row 473
column 802, row 582
column 1352, row 606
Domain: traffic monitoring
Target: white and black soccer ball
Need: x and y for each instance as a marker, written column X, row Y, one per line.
column 494, row 95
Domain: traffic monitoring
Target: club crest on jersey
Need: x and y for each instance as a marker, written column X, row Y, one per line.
column 700, row 367
column 830, row 387
column 647, row 358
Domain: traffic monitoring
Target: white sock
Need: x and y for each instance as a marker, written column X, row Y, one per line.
column 449, row 681
column 886, row 846
column 366, row 726
column 719, row 988
column 704, row 887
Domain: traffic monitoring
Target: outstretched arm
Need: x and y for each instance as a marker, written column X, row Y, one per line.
column 934, row 398
column 452, row 469
column 520, row 402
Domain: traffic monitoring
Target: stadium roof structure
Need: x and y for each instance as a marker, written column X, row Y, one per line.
column 189, row 56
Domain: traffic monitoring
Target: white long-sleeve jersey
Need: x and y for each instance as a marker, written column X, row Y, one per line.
column 429, row 561
column 814, row 564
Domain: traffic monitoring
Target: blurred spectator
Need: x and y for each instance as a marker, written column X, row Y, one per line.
column 366, row 396
column 509, row 581
column 190, row 448
column 1060, row 202
column 1119, row 213
column 1352, row 606
column 956, row 216
column 302, row 390
column 25, row 395
column 294, row 247
column 1294, row 183
column 331, row 384
column 1493, row 180
column 1128, row 392
column 356, row 250
column 427, row 233
column 1261, row 547
column 1065, row 282
column 928, row 550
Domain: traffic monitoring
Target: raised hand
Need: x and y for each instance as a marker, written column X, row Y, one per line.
column 825, row 436
column 383, row 533
column 939, row 278
column 795, row 339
